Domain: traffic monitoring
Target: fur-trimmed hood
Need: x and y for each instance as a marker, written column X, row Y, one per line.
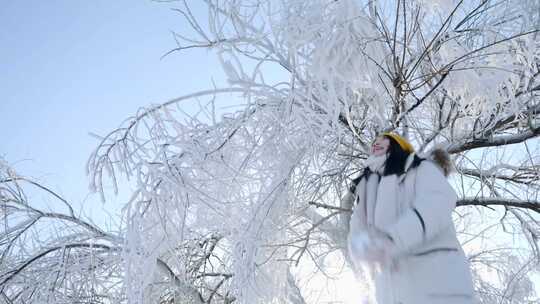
column 438, row 156
column 442, row 158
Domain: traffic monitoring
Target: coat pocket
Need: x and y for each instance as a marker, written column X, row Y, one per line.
column 439, row 273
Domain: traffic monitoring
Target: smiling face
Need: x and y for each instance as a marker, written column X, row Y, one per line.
column 380, row 146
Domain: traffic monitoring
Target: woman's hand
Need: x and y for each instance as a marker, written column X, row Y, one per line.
column 382, row 248
column 358, row 246
column 373, row 246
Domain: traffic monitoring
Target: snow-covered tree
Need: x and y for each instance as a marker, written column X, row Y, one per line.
column 229, row 204
column 53, row 255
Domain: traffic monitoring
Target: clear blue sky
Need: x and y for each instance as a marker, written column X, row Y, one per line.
column 70, row 67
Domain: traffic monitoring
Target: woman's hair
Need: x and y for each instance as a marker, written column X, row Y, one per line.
column 397, row 157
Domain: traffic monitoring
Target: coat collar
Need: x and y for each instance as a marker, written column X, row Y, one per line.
column 408, row 164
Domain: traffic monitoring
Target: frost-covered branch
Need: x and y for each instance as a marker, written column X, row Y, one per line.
column 48, row 256
column 531, row 205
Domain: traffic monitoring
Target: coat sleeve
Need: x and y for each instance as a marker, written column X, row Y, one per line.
column 431, row 211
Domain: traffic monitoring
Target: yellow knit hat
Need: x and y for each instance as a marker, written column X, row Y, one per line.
column 403, row 143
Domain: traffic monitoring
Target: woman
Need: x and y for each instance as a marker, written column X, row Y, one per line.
column 402, row 228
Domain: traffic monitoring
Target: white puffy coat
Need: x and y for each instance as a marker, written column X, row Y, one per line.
column 432, row 267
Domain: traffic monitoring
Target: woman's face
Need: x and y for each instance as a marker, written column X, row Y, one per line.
column 380, row 146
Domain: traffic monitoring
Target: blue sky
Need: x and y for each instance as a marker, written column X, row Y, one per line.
column 70, row 67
